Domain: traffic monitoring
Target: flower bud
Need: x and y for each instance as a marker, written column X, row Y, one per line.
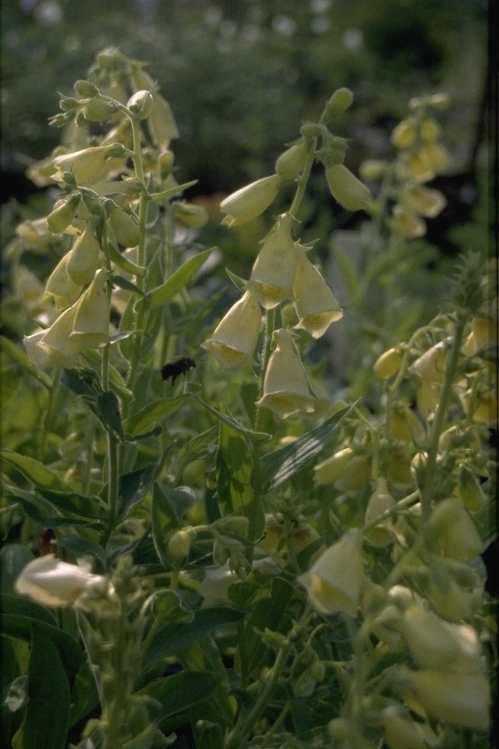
column 56, row 340
column 425, row 202
column 290, row 163
column 235, row 524
column 356, row 474
column 84, row 257
column 83, row 164
column 436, row 156
column 430, row 129
column 373, row 170
column 50, row 582
column 337, row 104
column 165, row 162
column 315, row 304
column 383, row 533
column 419, row 168
column 250, row 201
column 180, row 543
column 221, row 553
column 404, row 134
column 161, row 122
column 335, row 580
column 140, row 104
column 285, row 389
column 329, row 470
column 85, row 88
column 125, row 228
column 456, row 698
column 453, row 530
column 407, row 222
column 346, row 189
column 235, row 337
column 404, row 425
column 191, row 215
column 447, row 596
column 483, row 409
column 91, row 324
column 61, row 286
column 98, row 110
column 62, row 215
column 273, row 273
column 388, row 364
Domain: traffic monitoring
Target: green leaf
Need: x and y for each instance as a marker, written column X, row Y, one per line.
column 132, row 487
column 108, row 407
column 181, row 690
column 13, row 559
column 125, row 264
column 124, row 283
column 234, row 468
column 172, row 191
column 270, row 613
column 41, row 512
column 20, row 357
column 84, row 547
column 164, row 520
column 175, row 636
column 249, row 433
column 178, row 280
column 35, row 471
column 282, row 464
column 71, row 504
column 84, row 695
column 45, row 723
column 151, row 415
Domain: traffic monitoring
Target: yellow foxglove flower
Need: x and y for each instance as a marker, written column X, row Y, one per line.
column 57, row 342
column 427, row 398
column 91, row 324
column 404, row 134
column 50, row 582
column 484, row 409
column 435, row 155
column 84, row 164
column 285, row 389
column 61, row 286
column 329, row 470
column 273, row 272
column 290, row 163
column 125, row 228
column 28, row 288
column 335, row 580
column 373, row 170
column 383, row 533
column 400, row 732
column 435, row 643
column 408, row 222
column 430, row 366
column 453, row 530
column 430, row 129
column 405, row 426
column 40, row 357
column 419, row 168
column 162, row 122
column 250, row 201
column 346, row 189
column 457, row 698
column 315, row 304
column 424, row 201
column 484, row 331
column 356, row 474
column 235, row 337
column 84, row 257
column 447, row 596
column 62, row 215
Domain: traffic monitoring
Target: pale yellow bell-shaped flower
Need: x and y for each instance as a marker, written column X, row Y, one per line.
column 84, row 164
column 407, row 222
column 400, row 732
column 61, row 286
column 285, row 389
column 335, row 580
column 315, row 304
column 40, row 357
column 235, row 337
column 84, row 257
column 383, row 533
column 91, row 324
column 273, row 273
column 457, row 698
column 451, row 528
column 435, row 643
column 57, row 340
column 425, row 201
column 50, row 582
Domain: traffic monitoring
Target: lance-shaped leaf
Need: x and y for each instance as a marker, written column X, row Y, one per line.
column 178, row 280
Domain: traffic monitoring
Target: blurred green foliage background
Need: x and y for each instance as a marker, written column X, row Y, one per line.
column 241, row 74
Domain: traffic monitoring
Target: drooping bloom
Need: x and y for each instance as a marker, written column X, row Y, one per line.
column 315, row 304
column 84, row 164
column 383, row 533
column 273, row 273
column 56, row 340
column 84, row 257
column 349, row 191
column 453, row 531
column 250, row 201
column 50, row 582
column 335, row 581
column 91, row 324
column 61, row 286
column 285, row 389
column 235, row 337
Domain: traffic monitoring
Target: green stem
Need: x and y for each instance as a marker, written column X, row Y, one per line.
column 48, row 414
column 303, row 179
column 440, row 412
column 267, row 349
column 112, row 489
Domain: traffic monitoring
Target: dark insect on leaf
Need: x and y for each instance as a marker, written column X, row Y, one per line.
column 177, row 366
